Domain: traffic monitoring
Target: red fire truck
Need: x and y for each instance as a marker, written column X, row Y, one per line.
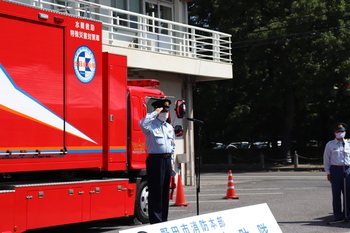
column 71, row 149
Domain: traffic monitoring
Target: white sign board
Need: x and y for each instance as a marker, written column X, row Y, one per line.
column 250, row 219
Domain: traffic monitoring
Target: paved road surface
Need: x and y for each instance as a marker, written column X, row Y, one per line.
column 300, row 202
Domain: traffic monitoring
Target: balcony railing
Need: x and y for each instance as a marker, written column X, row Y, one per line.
column 133, row 30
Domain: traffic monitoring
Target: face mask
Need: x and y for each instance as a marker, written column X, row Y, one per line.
column 163, row 116
column 340, row 135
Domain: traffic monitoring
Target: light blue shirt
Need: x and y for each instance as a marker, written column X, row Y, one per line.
column 160, row 136
column 336, row 154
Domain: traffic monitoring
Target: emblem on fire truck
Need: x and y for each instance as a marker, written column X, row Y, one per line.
column 84, row 64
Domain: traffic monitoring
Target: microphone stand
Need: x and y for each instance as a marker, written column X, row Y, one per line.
column 197, row 160
column 344, row 192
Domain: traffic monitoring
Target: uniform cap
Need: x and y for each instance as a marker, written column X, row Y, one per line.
column 340, row 127
column 165, row 104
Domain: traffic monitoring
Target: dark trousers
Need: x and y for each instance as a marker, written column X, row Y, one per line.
column 338, row 175
column 158, row 176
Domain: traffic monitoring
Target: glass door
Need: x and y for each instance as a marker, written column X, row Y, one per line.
column 159, row 33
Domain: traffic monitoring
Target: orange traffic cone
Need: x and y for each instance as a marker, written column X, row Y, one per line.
column 180, row 196
column 230, row 193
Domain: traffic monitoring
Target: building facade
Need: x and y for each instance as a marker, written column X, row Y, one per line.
column 159, row 44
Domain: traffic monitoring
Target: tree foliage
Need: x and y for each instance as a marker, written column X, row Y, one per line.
column 291, row 66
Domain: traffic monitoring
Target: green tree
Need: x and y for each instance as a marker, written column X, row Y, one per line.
column 291, row 70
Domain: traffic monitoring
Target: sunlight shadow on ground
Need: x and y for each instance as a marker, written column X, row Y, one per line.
column 326, row 221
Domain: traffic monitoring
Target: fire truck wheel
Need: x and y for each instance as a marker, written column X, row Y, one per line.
column 141, row 206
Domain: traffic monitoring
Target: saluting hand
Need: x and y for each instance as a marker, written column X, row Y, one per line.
column 158, row 109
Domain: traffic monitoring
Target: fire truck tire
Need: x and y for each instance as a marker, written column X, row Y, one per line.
column 141, row 205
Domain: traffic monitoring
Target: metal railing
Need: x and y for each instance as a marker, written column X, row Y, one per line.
column 133, row 30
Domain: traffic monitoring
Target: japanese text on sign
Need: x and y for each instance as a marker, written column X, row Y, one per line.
column 195, row 226
column 84, row 31
column 249, row 219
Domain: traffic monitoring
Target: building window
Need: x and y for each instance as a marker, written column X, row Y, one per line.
column 160, row 10
column 129, row 5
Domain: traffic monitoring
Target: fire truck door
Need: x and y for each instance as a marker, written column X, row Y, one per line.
column 31, row 83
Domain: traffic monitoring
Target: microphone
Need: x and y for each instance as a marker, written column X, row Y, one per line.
column 195, row 120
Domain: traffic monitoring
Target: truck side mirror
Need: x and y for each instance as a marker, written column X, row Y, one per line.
column 178, row 130
column 180, row 108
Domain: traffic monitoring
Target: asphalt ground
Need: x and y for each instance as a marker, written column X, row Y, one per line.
column 299, row 200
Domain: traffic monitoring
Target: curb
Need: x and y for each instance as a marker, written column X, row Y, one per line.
column 259, row 168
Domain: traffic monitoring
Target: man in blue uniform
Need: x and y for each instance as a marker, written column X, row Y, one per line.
column 336, row 160
column 160, row 144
